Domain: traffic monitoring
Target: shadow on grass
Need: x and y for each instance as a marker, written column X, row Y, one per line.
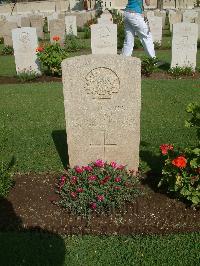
column 154, row 164
column 165, row 66
column 60, row 141
column 31, row 246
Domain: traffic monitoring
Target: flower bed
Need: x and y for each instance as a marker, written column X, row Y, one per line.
column 99, row 186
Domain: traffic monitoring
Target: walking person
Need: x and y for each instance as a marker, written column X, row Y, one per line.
column 135, row 23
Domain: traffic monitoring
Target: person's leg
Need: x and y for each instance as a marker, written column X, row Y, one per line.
column 129, row 38
column 145, row 36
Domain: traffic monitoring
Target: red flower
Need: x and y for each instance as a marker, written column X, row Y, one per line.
column 165, row 147
column 99, row 163
column 180, row 162
column 74, row 179
column 117, row 188
column 104, row 180
column 39, row 49
column 79, row 190
column 93, row 205
column 100, row 197
column 92, row 178
column 73, row 194
column 79, row 169
column 56, row 38
column 118, row 179
column 88, row 168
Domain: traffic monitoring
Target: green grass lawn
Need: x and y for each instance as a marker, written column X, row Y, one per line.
column 43, row 249
column 33, row 125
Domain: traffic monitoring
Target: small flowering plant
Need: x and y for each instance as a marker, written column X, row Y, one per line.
column 50, row 57
column 99, row 187
column 181, row 172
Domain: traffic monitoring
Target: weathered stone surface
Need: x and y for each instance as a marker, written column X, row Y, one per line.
column 102, row 97
column 104, row 38
column 161, row 13
column 7, row 32
column 190, row 16
column 25, row 44
column 155, row 24
column 174, row 17
column 57, row 28
column 25, row 22
column 38, row 23
column 104, row 21
column 70, row 24
column 184, row 45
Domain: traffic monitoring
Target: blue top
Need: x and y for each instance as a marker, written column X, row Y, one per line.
column 135, row 5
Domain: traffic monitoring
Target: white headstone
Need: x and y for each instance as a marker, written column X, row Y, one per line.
column 190, row 16
column 155, row 24
column 184, row 45
column 57, row 28
column 102, row 101
column 25, row 44
column 70, row 24
column 104, row 38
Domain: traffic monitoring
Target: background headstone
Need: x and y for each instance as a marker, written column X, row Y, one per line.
column 7, row 32
column 25, row 44
column 184, row 45
column 102, row 98
column 57, row 28
column 38, row 23
column 104, row 38
column 155, row 24
column 70, row 24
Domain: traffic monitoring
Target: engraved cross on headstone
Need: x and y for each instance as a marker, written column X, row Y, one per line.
column 104, row 145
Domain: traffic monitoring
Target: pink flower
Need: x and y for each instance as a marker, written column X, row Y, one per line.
column 63, row 178
column 99, row 163
column 92, row 178
column 113, row 164
column 78, row 169
column 79, row 190
column 120, row 167
column 88, row 168
column 118, row 179
column 100, row 197
column 117, row 188
column 93, row 205
column 74, row 179
column 73, row 194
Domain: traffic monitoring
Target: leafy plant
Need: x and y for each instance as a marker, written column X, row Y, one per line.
column 7, row 50
column 178, row 71
column 73, row 43
column 6, row 181
column 27, row 75
column 157, row 45
column 181, row 170
column 87, row 33
column 1, row 40
column 51, row 56
column 148, row 65
column 99, row 187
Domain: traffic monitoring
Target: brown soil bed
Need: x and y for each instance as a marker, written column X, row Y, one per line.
column 30, row 205
column 154, row 76
column 15, row 80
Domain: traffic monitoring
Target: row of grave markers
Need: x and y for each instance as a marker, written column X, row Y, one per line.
column 103, row 41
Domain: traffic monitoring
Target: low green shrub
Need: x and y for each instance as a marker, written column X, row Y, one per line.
column 148, row 65
column 99, row 187
column 157, row 45
column 6, row 181
column 181, row 168
column 7, row 50
column 178, row 71
column 87, row 33
column 27, row 75
column 51, row 56
column 73, row 43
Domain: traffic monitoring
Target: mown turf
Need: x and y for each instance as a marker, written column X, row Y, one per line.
column 33, row 127
column 45, row 250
